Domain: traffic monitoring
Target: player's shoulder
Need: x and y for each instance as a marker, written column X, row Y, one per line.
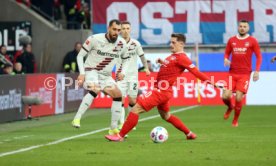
column 252, row 38
column 99, row 36
column 234, row 37
column 181, row 57
column 120, row 42
column 134, row 41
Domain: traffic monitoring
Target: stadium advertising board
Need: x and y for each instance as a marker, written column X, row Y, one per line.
column 59, row 94
column 73, row 94
column 203, row 21
column 11, row 92
column 42, row 86
column 185, row 91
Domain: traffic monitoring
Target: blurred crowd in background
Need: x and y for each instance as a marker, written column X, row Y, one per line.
column 73, row 14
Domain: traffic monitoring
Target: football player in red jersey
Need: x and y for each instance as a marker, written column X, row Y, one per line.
column 241, row 47
column 171, row 68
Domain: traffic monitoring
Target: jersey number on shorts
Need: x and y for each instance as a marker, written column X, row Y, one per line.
column 148, row 94
column 134, row 86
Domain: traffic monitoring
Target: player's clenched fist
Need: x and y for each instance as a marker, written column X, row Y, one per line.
column 81, row 78
column 227, row 62
column 121, row 76
column 147, row 72
column 159, row 60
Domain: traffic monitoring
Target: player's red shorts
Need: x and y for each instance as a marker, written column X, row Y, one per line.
column 239, row 82
column 154, row 98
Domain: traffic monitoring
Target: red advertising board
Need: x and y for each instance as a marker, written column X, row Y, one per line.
column 40, row 85
column 185, row 91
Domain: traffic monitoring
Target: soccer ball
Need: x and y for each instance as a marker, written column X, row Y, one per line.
column 159, row 134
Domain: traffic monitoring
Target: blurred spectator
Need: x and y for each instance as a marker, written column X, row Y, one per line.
column 18, row 68
column 7, row 69
column 141, row 69
column 71, row 9
column 70, row 60
column 27, row 59
column 3, row 51
column 57, row 10
column 4, row 59
column 23, row 40
column 86, row 17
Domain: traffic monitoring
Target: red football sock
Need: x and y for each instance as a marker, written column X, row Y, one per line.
column 129, row 124
column 228, row 102
column 238, row 108
column 176, row 122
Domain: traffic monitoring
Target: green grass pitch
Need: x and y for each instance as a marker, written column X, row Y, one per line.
column 218, row 143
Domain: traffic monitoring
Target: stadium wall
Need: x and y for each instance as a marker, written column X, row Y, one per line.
column 59, row 93
column 50, row 44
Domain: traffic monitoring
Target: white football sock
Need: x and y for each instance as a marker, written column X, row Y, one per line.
column 85, row 104
column 116, row 110
column 123, row 113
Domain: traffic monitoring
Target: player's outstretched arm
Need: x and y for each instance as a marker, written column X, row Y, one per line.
column 203, row 77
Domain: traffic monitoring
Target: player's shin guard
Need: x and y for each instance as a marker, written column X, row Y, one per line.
column 129, row 124
column 116, row 110
column 176, row 122
column 238, row 108
column 85, row 104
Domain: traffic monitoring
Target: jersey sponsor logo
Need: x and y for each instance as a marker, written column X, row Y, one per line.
column 240, row 49
column 99, row 52
column 132, row 53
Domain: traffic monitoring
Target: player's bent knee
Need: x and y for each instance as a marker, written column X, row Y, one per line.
column 132, row 101
column 239, row 98
column 226, row 94
column 93, row 93
column 137, row 109
column 164, row 115
column 113, row 92
column 117, row 99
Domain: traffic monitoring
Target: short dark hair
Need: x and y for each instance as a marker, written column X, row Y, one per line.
column 179, row 37
column 243, row 21
column 125, row 22
column 118, row 22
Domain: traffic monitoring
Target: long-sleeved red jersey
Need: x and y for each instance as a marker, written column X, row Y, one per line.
column 242, row 50
column 174, row 65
